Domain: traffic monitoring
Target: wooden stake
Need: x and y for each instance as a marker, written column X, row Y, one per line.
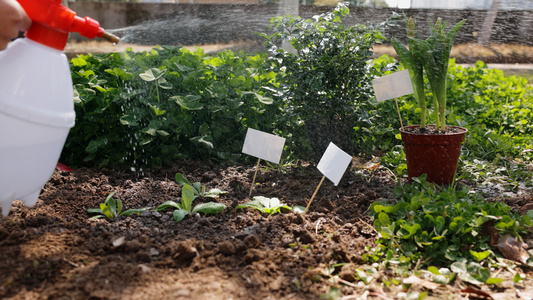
column 316, row 191
column 398, row 109
column 255, row 174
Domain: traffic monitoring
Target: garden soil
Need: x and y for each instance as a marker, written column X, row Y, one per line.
column 56, row 251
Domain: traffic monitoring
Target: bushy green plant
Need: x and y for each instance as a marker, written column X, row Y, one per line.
column 148, row 107
column 327, row 77
column 439, row 225
column 326, row 80
column 112, row 208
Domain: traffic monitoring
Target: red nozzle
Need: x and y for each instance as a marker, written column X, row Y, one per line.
column 52, row 23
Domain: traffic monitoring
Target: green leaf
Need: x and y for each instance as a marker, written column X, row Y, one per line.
column 209, row 208
column 198, row 188
column 164, row 84
column 189, row 102
column 179, row 214
column 517, row 278
column 494, row 280
column 119, row 206
column 152, row 74
column 168, row 204
column 479, row 256
column 95, row 211
column 181, row 180
column 187, row 197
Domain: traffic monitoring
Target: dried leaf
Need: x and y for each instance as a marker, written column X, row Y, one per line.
column 512, row 248
column 489, row 230
column 421, row 282
column 477, row 293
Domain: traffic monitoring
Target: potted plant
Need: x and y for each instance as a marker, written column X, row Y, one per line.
column 430, row 149
column 325, row 82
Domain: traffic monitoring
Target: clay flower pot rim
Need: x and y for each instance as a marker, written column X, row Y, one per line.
column 463, row 130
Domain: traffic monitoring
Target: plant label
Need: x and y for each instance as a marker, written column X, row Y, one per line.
column 334, row 163
column 393, row 86
column 263, row 145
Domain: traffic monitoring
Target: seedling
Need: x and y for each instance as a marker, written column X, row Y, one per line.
column 184, row 209
column 112, row 208
column 269, row 205
column 197, row 188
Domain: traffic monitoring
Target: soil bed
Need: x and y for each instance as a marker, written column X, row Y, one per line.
column 55, row 251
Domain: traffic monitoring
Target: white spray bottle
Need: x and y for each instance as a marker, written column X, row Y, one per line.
column 36, row 99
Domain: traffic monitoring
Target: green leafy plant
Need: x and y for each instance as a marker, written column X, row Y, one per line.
column 325, row 82
column 269, row 205
column 197, row 188
column 112, row 208
column 144, row 108
column 441, row 225
column 431, row 55
column 185, row 208
column 189, row 193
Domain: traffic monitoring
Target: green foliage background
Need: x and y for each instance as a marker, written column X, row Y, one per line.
column 150, row 107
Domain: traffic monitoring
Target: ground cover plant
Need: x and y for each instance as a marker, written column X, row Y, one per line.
column 373, row 235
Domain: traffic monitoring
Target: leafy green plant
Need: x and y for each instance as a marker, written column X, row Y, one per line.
column 112, row 208
column 144, row 108
column 441, row 225
column 327, row 76
column 269, row 205
column 431, row 55
column 197, row 188
column 185, row 207
column 325, row 82
column 189, row 193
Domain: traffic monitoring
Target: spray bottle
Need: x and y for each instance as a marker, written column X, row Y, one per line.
column 36, row 99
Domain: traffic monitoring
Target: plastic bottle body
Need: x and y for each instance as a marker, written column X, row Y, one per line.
column 36, row 114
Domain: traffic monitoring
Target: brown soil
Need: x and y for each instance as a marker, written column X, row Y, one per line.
column 55, row 251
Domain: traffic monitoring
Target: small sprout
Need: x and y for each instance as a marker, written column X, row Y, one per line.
column 112, row 208
column 269, row 205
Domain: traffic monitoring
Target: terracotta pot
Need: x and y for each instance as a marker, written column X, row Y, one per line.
column 436, row 155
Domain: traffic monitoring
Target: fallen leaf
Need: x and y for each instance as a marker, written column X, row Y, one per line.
column 421, row 282
column 477, row 292
column 512, row 248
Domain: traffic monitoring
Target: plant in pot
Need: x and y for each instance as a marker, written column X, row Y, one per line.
column 430, row 149
column 325, row 82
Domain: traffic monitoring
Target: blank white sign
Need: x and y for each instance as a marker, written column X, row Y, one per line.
column 263, row 145
column 393, row 86
column 334, row 163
